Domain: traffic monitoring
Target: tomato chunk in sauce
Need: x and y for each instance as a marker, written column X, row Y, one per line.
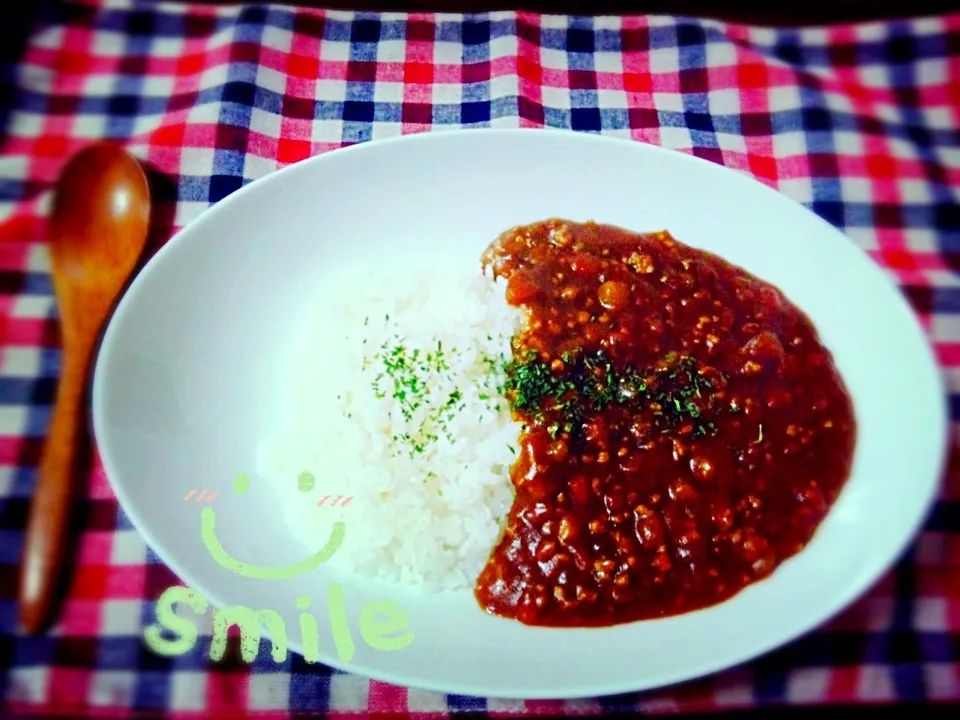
column 685, row 431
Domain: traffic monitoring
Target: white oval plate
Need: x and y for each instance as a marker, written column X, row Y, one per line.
column 186, row 383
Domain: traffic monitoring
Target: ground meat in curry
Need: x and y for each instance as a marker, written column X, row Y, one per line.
column 685, row 431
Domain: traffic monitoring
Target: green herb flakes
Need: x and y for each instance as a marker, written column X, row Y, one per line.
column 424, row 387
column 673, row 391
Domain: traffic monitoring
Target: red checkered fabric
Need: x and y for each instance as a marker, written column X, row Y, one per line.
column 859, row 123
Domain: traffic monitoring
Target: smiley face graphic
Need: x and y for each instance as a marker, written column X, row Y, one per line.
column 241, row 483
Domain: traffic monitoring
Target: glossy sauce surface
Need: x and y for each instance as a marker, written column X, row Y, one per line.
column 685, row 430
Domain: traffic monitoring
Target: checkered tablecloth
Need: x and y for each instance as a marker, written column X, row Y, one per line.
column 859, row 123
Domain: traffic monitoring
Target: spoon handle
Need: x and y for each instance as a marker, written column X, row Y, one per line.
column 50, row 509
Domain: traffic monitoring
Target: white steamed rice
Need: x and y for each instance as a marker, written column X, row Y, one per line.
column 431, row 519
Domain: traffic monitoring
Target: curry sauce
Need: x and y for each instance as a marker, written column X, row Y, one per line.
column 685, row 431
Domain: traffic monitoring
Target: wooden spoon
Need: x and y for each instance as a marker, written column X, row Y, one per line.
column 98, row 230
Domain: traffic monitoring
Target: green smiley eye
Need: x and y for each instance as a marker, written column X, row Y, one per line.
column 241, row 483
column 305, row 482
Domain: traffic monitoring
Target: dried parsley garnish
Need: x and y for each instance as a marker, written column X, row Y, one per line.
column 675, row 390
column 415, row 377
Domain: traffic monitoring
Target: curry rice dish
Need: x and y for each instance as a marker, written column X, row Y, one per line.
column 675, row 429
